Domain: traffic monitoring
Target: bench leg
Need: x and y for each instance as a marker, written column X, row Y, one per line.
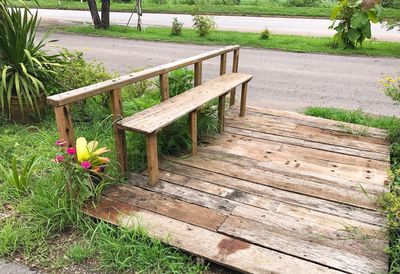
column 152, row 158
column 221, row 112
column 120, row 143
column 232, row 97
column 243, row 100
column 193, row 130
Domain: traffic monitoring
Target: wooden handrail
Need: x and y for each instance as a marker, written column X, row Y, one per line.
column 76, row 95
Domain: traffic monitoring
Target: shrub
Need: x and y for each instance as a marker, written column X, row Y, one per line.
column 265, row 34
column 395, row 4
column 158, row 2
column 180, row 80
column 303, row 3
column 203, row 24
column 176, row 27
column 355, row 19
column 24, row 65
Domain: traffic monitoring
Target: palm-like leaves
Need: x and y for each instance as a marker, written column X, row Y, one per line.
column 24, row 65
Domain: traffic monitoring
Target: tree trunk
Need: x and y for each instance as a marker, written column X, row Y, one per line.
column 95, row 15
column 105, row 14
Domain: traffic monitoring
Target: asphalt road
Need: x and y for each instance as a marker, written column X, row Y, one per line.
column 278, row 25
column 282, row 80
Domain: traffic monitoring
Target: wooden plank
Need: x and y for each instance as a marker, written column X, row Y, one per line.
column 225, row 185
column 119, row 135
column 260, row 155
column 221, row 205
column 312, row 134
column 193, row 130
column 255, row 232
column 167, row 206
column 161, row 115
column 222, row 65
column 353, row 196
column 242, row 130
column 243, row 100
column 221, row 113
column 68, row 97
column 235, row 69
column 64, row 125
column 152, row 158
column 317, row 121
column 221, row 249
column 284, row 210
column 198, row 74
column 164, row 86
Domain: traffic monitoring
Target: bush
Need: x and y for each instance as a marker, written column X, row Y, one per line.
column 395, row 4
column 355, row 19
column 158, row 2
column 303, row 3
column 176, row 27
column 203, row 24
column 265, row 34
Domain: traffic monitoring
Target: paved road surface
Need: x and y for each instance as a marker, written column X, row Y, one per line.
column 281, row 80
column 299, row 26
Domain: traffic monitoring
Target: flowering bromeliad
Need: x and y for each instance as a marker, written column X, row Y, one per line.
column 88, row 155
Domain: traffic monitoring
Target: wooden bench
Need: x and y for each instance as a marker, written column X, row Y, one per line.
column 154, row 119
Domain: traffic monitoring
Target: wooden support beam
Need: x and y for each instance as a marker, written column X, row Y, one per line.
column 235, row 68
column 119, row 134
column 164, row 86
column 222, row 66
column 198, row 73
column 221, row 112
column 243, row 100
column 152, row 158
column 193, row 130
column 64, row 125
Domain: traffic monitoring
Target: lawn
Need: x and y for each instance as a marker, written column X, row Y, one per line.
column 280, row 42
column 255, row 7
column 390, row 202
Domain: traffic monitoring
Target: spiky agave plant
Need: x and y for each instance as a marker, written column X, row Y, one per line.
column 24, row 64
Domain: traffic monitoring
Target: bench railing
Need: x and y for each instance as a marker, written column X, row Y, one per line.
column 61, row 101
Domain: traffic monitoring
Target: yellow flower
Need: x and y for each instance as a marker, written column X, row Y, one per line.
column 82, row 151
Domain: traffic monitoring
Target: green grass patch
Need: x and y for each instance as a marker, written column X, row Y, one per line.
column 254, row 8
column 389, row 202
column 281, row 42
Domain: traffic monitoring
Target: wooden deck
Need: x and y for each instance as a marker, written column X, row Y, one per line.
column 276, row 192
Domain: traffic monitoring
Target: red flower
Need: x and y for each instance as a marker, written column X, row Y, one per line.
column 86, row 164
column 71, row 151
column 59, row 159
column 60, row 143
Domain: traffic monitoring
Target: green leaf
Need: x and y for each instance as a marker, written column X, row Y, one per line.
column 359, row 19
column 335, row 11
column 366, row 30
column 354, row 34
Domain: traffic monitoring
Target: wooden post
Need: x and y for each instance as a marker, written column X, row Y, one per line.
column 164, row 86
column 235, row 67
column 222, row 66
column 119, row 134
column 152, row 158
column 64, row 125
column 221, row 112
column 198, row 73
column 243, row 100
column 193, row 130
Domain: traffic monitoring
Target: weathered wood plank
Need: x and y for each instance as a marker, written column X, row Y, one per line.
column 241, row 130
column 221, row 249
column 243, row 100
column 152, row 158
column 164, row 86
column 193, row 130
column 235, row 68
column 198, row 74
column 64, row 125
column 167, row 206
column 247, row 172
column 255, row 232
column 225, row 185
column 221, row 113
column 316, row 121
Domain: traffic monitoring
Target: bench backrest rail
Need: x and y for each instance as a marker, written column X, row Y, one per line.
column 61, row 101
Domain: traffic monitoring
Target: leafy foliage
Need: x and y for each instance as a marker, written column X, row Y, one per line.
column 24, row 65
column 203, row 24
column 265, row 34
column 352, row 21
column 19, row 177
column 176, row 27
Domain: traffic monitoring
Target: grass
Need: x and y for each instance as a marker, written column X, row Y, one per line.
column 254, row 8
column 389, row 202
column 281, row 42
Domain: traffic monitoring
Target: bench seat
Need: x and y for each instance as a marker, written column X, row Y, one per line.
column 155, row 118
